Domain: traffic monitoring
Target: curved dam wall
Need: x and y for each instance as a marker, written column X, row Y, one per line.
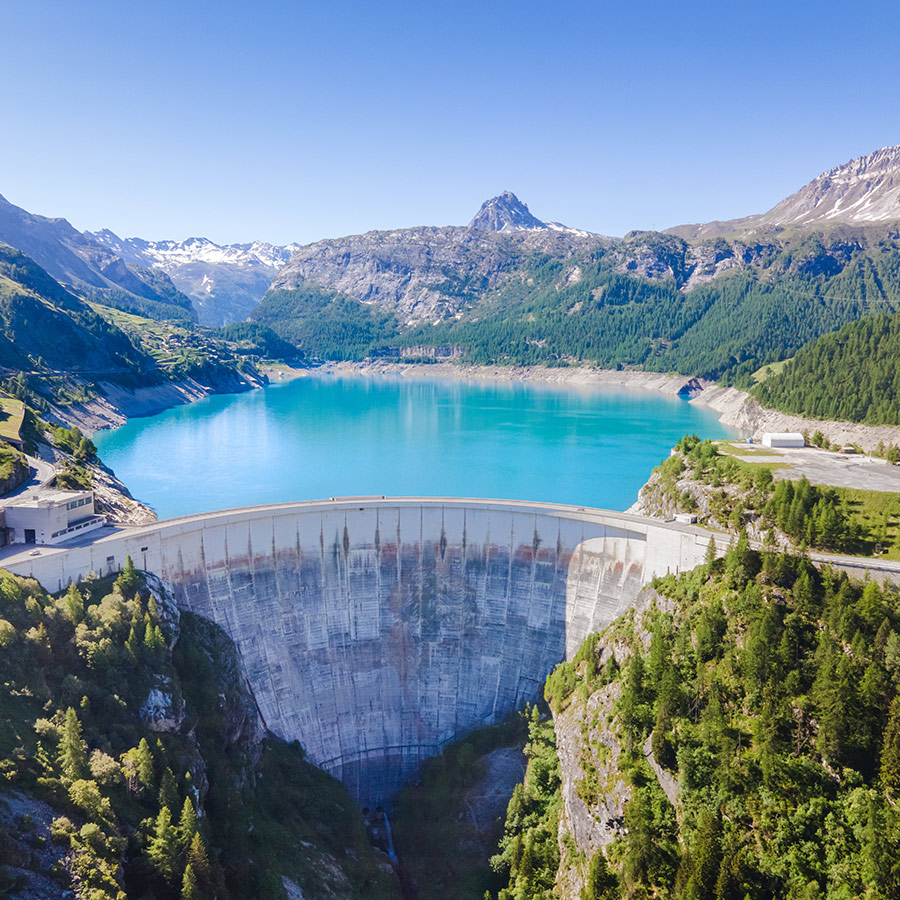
column 376, row 631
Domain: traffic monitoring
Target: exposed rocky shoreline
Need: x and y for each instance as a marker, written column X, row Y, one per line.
column 736, row 408
column 115, row 404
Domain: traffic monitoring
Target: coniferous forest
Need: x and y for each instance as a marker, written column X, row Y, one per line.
column 851, row 375
column 765, row 691
column 599, row 308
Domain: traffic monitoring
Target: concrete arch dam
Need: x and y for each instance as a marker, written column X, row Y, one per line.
column 375, row 631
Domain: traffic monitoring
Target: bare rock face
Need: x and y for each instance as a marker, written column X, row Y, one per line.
column 30, row 856
column 861, row 191
column 160, row 712
column 506, row 213
column 425, row 273
column 586, row 740
column 864, row 191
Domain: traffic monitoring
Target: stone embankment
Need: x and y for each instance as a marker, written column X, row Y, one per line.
column 115, row 404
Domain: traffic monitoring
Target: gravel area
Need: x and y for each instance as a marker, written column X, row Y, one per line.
column 826, row 467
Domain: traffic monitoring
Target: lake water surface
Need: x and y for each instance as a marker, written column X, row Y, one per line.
column 326, row 436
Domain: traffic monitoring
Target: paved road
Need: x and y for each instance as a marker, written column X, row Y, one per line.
column 41, row 472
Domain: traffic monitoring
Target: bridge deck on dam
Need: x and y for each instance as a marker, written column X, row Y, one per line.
column 376, row 630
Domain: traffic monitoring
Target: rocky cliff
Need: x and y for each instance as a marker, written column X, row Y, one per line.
column 426, row 273
column 693, row 753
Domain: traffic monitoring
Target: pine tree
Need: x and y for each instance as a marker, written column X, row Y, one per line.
column 129, row 578
column 189, row 888
column 197, row 858
column 890, row 752
column 168, row 790
column 133, row 644
column 187, row 825
column 706, row 859
column 144, row 763
column 601, row 883
column 163, row 847
column 74, row 605
column 72, row 753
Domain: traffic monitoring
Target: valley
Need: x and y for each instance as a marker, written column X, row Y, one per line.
column 337, row 698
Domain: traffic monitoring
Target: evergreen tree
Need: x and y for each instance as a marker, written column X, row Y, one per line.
column 198, row 859
column 129, row 578
column 187, row 825
column 706, row 859
column 74, row 605
column 890, row 752
column 72, row 752
column 168, row 790
column 144, row 764
column 189, row 888
column 163, row 847
column 601, row 883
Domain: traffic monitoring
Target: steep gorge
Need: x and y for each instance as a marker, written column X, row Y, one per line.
column 377, row 631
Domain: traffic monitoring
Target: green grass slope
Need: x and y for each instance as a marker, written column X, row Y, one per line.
column 45, row 328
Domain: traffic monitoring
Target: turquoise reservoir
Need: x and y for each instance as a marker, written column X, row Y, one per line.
column 327, row 436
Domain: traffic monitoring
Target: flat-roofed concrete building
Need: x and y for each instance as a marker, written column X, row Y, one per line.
column 50, row 517
column 783, row 439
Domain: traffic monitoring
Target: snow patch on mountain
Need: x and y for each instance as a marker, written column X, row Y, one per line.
column 225, row 281
column 866, row 189
column 197, row 249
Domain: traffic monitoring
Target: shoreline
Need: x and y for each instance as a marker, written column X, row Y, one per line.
column 565, row 376
column 735, row 408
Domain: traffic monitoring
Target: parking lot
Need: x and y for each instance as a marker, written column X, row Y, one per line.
column 824, row 466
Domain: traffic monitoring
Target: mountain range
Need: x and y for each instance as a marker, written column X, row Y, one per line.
column 656, row 298
column 224, row 282
column 76, row 260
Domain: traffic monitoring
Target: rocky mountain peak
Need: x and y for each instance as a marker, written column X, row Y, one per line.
column 506, row 213
column 864, row 190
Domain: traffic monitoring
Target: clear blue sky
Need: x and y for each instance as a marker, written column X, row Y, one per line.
column 296, row 121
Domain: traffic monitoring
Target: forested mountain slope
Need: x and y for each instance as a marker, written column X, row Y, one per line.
column 850, row 375
column 736, row 737
column 133, row 762
column 715, row 308
column 717, row 300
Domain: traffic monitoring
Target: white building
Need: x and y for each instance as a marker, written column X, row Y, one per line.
column 783, row 439
column 50, row 517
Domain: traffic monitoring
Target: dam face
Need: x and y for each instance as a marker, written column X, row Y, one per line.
column 375, row 632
